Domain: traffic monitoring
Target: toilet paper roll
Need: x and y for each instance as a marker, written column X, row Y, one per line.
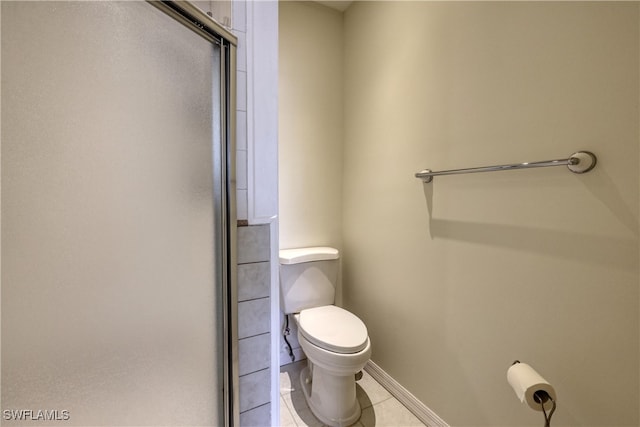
column 525, row 381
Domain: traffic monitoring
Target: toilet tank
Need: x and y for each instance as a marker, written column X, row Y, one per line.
column 307, row 278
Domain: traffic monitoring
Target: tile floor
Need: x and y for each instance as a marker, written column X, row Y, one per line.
column 379, row 407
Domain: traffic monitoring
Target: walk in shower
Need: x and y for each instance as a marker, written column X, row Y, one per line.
column 118, row 215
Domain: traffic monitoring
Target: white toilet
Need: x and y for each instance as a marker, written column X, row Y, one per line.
column 335, row 341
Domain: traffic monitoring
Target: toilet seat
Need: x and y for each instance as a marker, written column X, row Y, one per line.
column 333, row 328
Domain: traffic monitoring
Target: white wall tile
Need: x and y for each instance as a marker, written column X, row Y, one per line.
column 241, row 51
column 241, row 90
column 241, row 170
column 221, row 11
column 260, row 416
column 254, row 317
column 254, row 281
column 253, row 244
column 254, row 354
column 239, row 13
column 241, row 130
column 255, row 390
column 241, row 204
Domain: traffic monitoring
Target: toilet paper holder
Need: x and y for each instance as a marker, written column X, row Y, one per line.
column 541, row 397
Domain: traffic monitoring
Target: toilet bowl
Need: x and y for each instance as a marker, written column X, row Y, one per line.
column 335, row 341
column 337, row 347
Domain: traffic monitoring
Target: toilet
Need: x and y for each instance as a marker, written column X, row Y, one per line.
column 335, row 341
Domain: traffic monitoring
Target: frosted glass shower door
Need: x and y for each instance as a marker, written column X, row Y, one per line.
column 111, row 298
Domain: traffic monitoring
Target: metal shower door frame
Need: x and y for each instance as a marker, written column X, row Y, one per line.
column 225, row 193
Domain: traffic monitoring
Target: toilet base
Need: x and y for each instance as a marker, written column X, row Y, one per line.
column 331, row 398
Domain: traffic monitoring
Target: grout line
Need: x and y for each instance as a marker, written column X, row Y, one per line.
column 254, row 299
column 292, row 412
column 379, row 402
column 293, row 416
column 256, row 335
column 259, row 406
column 250, row 373
column 255, row 262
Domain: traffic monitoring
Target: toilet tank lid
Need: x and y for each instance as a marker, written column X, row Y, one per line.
column 298, row 255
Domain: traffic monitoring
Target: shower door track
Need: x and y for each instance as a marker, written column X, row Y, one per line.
column 195, row 19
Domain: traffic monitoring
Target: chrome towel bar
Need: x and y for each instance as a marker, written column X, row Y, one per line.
column 578, row 162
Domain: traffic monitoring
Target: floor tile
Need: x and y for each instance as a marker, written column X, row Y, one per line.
column 295, row 401
column 389, row 413
column 305, row 418
column 379, row 407
column 369, row 391
column 286, row 418
column 290, row 376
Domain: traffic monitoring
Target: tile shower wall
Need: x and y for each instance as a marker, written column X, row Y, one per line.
column 220, row 10
column 254, row 325
column 255, row 26
column 239, row 29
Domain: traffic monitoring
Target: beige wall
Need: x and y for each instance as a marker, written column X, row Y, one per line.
column 311, row 121
column 310, row 132
column 458, row 278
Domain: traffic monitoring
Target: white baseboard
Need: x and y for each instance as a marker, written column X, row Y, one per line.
column 419, row 409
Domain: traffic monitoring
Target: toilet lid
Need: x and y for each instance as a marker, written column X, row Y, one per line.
column 333, row 329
